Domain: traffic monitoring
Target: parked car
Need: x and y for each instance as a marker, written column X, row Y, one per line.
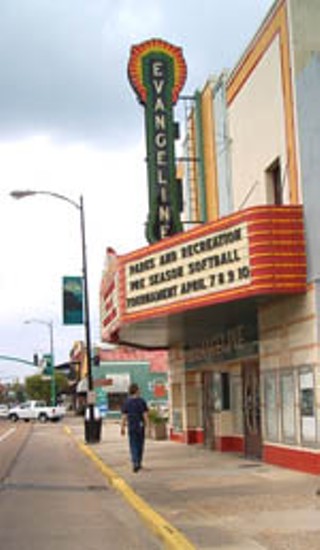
column 4, row 411
column 36, row 410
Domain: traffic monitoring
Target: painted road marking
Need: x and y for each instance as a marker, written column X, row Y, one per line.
column 173, row 538
column 7, row 434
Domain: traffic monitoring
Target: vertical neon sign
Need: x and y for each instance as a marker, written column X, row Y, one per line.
column 157, row 72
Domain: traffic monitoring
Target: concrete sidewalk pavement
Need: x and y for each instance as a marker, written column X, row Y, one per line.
column 214, row 500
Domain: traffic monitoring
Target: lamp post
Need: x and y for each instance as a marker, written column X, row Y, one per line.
column 49, row 324
column 91, row 435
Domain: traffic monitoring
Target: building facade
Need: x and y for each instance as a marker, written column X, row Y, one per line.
column 113, row 370
column 120, row 367
column 235, row 297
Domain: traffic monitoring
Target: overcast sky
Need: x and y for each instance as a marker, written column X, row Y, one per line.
column 70, row 123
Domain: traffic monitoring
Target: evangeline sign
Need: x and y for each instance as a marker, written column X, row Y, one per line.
column 157, row 72
column 212, row 263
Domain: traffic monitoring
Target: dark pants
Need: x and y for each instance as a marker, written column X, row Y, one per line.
column 136, row 442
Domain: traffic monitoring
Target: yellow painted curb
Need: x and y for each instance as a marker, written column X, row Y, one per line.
column 172, row 538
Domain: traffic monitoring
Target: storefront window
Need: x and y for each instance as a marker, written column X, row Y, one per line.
column 217, row 392
column 177, row 420
column 287, row 407
column 225, row 391
column 236, row 404
column 221, row 391
column 176, row 403
column 307, row 409
column 271, row 411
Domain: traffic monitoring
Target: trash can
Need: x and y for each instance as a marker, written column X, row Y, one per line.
column 92, row 427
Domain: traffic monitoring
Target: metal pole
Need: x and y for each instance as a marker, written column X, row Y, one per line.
column 48, row 324
column 53, row 380
column 91, row 396
column 87, row 314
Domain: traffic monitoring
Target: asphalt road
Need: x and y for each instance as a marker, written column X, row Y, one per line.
column 52, row 496
column 12, row 439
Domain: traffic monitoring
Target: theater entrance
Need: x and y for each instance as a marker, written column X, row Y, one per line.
column 251, row 409
column 208, row 409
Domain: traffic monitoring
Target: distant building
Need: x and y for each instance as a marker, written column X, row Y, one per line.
column 120, row 367
column 114, row 370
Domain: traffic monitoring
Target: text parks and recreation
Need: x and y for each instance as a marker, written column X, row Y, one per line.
column 210, row 264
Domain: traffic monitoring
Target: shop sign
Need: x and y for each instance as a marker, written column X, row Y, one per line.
column 231, row 343
column 199, row 267
column 118, row 383
column 157, row 72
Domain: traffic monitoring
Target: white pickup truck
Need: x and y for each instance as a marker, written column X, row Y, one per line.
column 36, row 410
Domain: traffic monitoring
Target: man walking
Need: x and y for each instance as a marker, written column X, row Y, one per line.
column 135, row 417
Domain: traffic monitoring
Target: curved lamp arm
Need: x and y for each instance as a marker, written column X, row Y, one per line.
column 29, row 193
column 21, row 194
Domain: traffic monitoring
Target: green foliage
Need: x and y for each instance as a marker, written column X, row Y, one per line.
column 37, row 388
column 155, row 416
column 40, row 389
column 17, row 392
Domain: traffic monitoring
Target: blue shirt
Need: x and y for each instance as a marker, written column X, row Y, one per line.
column 134, row 408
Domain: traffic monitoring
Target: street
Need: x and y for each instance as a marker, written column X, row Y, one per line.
column 57, row 492
column 52, row 496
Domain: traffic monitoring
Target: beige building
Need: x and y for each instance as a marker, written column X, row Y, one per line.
column 235, row 297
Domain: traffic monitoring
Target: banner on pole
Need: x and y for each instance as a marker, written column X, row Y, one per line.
column 47, row 361
column 72, row 300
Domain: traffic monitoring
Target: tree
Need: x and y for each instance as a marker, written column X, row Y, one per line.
column 3, row 393
column 39, row 388
column 17, row 392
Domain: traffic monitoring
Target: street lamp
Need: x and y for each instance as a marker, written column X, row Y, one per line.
column 49, row 324
column 91, row 435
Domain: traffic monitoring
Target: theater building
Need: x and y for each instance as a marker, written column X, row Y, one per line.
column 234, row 296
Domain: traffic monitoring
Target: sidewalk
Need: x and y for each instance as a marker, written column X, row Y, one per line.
column 216, row 500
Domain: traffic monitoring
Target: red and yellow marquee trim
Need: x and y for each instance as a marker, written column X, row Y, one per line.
column 277, row 260
column 135, row 67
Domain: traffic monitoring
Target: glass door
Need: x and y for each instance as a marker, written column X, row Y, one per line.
column 251, row 409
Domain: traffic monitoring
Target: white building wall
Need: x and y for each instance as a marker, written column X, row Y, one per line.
column 257, row 131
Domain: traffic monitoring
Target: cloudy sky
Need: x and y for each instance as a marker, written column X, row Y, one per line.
column 70, row 123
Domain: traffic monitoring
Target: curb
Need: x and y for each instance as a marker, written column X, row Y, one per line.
column 172, row 538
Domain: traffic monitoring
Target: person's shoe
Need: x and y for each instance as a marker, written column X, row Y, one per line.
column 136, row 468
